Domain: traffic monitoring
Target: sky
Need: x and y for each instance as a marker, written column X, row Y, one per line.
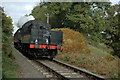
column 18, row 9
column 23, row 7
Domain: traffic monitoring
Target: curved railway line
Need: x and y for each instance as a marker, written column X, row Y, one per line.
column 58, row 70
column 62, row 71
column 65, row 71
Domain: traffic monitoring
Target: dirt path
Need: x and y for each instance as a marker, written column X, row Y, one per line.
column 26, row 69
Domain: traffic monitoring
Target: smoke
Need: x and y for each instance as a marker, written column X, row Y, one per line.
column 23, row 20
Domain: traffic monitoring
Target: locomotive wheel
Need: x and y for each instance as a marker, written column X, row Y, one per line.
column 53, row 54
column 51, row 58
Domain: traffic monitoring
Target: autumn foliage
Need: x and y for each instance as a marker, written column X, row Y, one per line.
column 73, row 41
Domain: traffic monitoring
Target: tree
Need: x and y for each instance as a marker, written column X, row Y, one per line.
column 113, row 30
column 88, row 18
column 7, row 28
column 57, row 12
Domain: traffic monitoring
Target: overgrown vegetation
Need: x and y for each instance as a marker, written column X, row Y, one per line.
column 73, row 41
column 94, row 59
column 104, row 66
column 8, row 66
column 96, row 20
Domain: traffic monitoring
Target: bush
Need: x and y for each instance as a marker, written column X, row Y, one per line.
column 73, row 41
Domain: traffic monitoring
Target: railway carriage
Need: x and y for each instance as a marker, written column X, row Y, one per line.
column 36, row 38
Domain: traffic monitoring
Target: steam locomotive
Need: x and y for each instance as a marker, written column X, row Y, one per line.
column 36, row 38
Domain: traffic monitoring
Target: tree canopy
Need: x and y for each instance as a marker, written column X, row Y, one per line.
column 98, row 21
column 7, row 28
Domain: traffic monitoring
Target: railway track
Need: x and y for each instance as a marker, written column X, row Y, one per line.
column 64, row 71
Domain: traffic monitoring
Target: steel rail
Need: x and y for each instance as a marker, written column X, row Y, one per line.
column 60, row 77
column 81, row 71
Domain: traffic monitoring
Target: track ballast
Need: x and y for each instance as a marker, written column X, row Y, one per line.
column 64, row 71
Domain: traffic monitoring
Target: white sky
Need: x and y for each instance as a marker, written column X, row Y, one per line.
column 114, row 1
column 18, row 8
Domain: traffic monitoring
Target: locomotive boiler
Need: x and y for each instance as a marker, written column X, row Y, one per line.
column 36, row 38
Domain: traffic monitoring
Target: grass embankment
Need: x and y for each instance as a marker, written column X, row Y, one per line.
column 0, row 52
column 79, row 53
column 9, row 67
column 0, row 60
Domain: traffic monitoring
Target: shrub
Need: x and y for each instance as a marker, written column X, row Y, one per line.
column 73, row 41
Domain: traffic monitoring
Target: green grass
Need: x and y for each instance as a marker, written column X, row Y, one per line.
column 97, row 65
column 92, row 56
column 9, row 67
column 0, row 60
column 97, row 51
column 0, row 64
